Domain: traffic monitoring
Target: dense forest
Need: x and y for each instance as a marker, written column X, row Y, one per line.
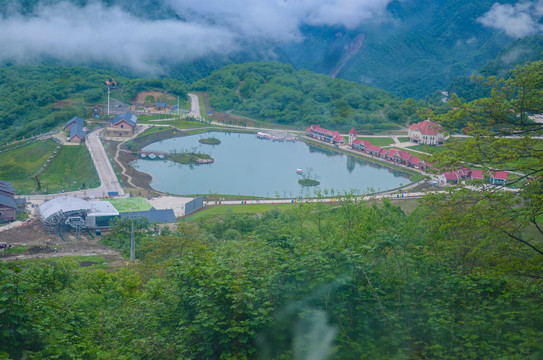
column 35, row 99
column 343, row 281
column 517, row 53
column 278, row 93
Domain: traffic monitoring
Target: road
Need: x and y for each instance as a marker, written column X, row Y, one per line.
column 108, row 179
column 194, row 107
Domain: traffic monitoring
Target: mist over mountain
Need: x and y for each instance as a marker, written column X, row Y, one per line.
column 409, row 47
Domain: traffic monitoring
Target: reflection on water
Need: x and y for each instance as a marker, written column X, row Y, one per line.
column 245, row 165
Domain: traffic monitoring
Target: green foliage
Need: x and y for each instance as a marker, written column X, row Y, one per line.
column 29, row 97
column 210, row 141
column 344, row 279
column 188, row 158
column 277, row 93
column 32, row 97
column 506, row 112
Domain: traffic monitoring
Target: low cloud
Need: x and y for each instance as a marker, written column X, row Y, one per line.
column 280, row 20
column 193, row 29
column 518, row 21
column 96, row 33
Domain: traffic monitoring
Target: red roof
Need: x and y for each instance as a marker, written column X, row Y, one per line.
column 353, row 131
column 477, row 174
column 338, row 138
column 501, row 175
column 426, row 127
column 383, row 151
column 414, row 160
column 449, row 175
column 374, row 148
column 308, row 130
column 357, row 142
column 365, row 143
column 317, row 127
column 405, row 155
column 462, row 172
column 393, row 152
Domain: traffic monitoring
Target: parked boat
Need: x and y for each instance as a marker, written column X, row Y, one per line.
column 299, row 171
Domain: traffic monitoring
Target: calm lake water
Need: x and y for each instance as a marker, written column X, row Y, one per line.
column 245, row 165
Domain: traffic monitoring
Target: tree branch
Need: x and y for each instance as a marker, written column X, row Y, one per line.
column 524, row 242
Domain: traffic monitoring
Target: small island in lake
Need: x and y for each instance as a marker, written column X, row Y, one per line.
column 308, row 182
column 210, row 141
column 190, row 158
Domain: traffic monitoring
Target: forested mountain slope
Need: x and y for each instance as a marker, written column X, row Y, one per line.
column 427, row 45
column 278, row 93
column 516, row 53
column 35, row 99
column 411, row 48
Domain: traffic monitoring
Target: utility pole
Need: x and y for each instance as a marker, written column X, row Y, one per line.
column 108, row 100
column 132, row 243
column 178, row 107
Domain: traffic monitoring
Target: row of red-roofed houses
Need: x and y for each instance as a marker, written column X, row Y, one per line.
column 394, row 155
column 492, row 177
column 329, row 136
column 404, row 158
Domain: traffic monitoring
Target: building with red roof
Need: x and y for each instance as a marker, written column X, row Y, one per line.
column 427, row 133
column 329, row 136
column 449, row 177
column 476, row 174
column 498, row 177
column 373, row 149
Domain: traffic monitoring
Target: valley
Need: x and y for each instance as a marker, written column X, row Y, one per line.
column 271, row 180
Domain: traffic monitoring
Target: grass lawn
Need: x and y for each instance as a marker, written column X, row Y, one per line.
column 182, row 124
column 222, row 210
column 20, row 164
column 130, row 204
column 13, row 145
column 378, row 141
column 69, row 170
column 151, row 130
column 403, row 139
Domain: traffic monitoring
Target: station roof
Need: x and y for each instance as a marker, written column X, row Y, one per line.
column 102, row 208
column 69, row 204
column 62, row 204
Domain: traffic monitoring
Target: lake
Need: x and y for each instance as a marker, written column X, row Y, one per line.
column 245, row 165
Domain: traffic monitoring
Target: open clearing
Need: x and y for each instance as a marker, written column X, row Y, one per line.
column 71, row 169
column 150, row 97
column 35, row 243
column 20, row 164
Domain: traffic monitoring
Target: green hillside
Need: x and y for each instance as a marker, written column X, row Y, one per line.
column 430, row 44
column 418, row 48
column 277, row 93
column 36, row 99
column 516, row 53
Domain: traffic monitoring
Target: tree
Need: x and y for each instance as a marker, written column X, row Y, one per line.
column 502, row 133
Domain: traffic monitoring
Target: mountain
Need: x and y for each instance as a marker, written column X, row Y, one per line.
column 426, row 46
column 280, row 94
column 411, row 48
column 516, row 53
